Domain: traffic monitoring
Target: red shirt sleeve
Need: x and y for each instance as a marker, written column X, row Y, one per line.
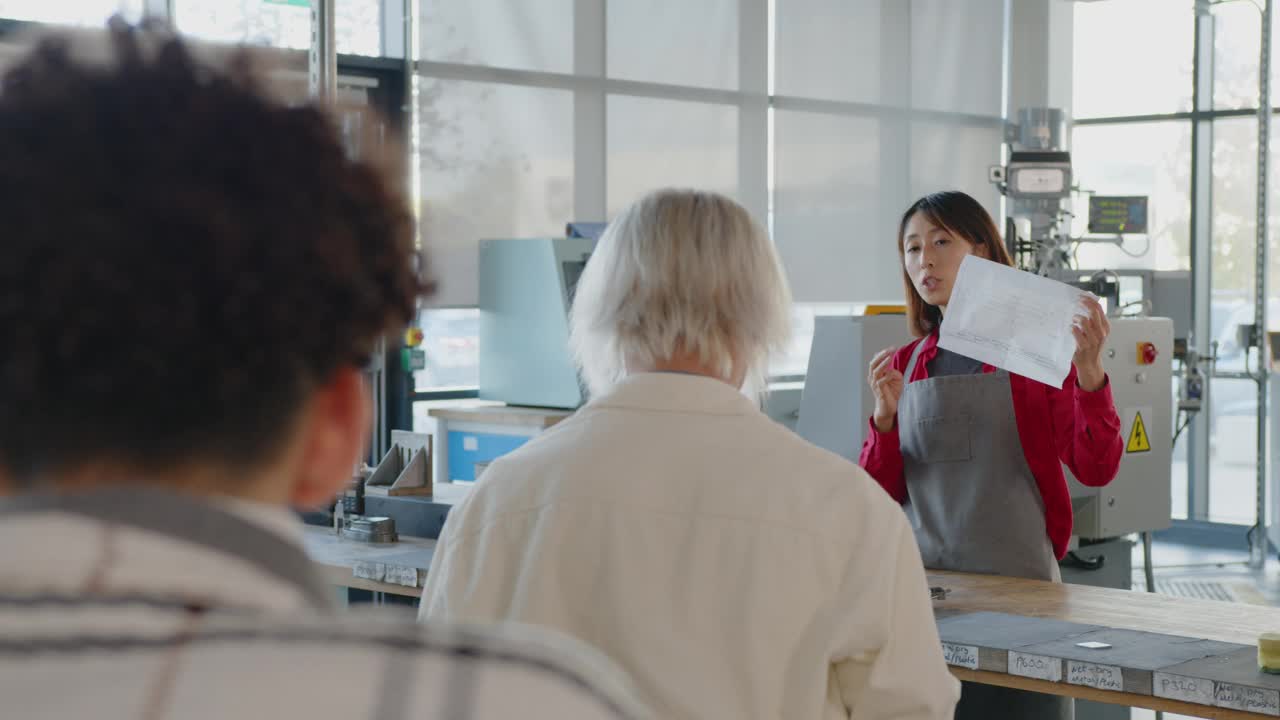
column 1087, row 431
column 881, row 455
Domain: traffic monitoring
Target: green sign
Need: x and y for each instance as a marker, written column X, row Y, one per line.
column 294, row 3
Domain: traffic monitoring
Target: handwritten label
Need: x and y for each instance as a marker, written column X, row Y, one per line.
column 369, row 570
column 400, row 575
column 1035, row 666
column 1099, row 677
column 1181, row 687
column 381, row 572
column 1250, row 699
column 965, row 656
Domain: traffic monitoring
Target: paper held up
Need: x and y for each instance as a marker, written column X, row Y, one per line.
column 1013, row 320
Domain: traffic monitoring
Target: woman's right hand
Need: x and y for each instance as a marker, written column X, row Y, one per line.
column 886, row 385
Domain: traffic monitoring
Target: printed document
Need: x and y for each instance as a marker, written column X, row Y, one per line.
column 1012, row 319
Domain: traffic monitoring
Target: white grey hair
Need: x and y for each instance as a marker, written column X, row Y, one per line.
column 680, row 271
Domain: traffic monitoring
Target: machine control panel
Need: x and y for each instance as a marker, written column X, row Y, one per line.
column 1141, row 375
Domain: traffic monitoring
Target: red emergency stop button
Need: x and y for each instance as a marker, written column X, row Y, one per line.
column 1147, row 353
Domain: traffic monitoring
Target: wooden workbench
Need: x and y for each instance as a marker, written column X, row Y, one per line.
column 1086, row 605
column 1148, row 612
column 338, row 559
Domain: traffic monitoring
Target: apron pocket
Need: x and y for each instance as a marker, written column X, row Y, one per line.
column 944, row 439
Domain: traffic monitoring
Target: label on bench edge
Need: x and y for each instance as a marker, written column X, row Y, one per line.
column 965, row 656
column 1181, row 687
column 1099, row 677
column 1038, row 667
column 1250, row 699
column 368, row 570
column 401, row 575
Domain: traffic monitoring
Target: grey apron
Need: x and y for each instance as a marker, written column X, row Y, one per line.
column 974, row 504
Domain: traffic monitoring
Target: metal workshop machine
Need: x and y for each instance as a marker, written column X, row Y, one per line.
column 527, row 286
column 1137, row 358
column 1140, row 352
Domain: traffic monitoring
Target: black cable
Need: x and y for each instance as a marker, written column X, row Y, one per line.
column 1145, row 250
column 1183, row 426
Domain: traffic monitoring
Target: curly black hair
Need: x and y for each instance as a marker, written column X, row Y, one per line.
column 183, row 258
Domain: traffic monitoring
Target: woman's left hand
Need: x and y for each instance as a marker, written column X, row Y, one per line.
column 1091, row 333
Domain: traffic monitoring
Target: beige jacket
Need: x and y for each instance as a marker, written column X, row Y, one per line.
column 732, row 569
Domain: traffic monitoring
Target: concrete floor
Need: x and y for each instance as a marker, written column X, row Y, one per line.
column 1174, row 562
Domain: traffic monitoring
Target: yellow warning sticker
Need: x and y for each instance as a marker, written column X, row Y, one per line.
column 1138, row 440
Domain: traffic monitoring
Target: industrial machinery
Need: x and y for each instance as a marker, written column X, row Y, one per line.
column 1137, row 358
column 836, row 403
column 526, row 289
column 1038, row 182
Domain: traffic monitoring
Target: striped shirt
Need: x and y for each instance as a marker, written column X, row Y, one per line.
column 144, row 604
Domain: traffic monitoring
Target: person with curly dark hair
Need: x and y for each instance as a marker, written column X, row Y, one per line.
column 192, row 275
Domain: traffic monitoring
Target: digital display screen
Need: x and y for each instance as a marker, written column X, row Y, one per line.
column 1117, row 215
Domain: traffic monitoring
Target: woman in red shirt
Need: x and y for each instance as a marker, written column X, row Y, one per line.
column 974, row 453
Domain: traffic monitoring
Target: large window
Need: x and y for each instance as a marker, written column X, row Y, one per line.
column 70, row 12
column 280, row 23
column 674, row 42
column 1233, row 411
column 1235, row 404
column 1152, row 159
column 527, row 120
column 823, row 198
column 655, row 143
column 1145, row 146
column 1138, row 82
column 274, row 23
column 452, row 353
column 496, row 161
column 513, row 34
column 1117, row 71
column 876, row 104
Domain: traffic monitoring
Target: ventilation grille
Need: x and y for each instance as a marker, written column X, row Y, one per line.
column 1194, row 589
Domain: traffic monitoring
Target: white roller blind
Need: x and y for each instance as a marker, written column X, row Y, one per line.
column 516, row 34
column 497, row 163
column 660, row 143
column 878, row 102
column 676, row 42
column 527, row 110
column 830, row 211
column 522, row 114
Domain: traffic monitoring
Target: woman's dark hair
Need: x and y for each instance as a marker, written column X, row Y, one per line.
column 184, row 258
column 962, row 216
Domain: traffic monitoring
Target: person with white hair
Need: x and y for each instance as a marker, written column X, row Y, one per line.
column 734, row 570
